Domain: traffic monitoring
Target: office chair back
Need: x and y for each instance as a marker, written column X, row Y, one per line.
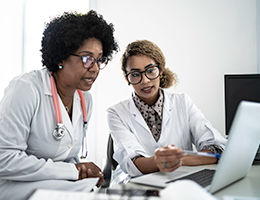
column 111, row 164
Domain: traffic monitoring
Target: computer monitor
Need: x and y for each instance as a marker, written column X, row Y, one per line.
column 240, row 87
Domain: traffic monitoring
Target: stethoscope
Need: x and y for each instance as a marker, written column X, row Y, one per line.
column 59, row 131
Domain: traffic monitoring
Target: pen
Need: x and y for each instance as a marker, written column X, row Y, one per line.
column 214, row 155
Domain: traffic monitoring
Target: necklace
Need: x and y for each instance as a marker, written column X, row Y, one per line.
column 67, row 109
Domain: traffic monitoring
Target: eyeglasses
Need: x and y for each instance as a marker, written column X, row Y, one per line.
column 151, row 72
column 89, row 61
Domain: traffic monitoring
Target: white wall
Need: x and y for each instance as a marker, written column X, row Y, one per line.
column 202, row 40
column 10, row 40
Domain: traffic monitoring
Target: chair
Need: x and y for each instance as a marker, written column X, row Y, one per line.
column 111, row 164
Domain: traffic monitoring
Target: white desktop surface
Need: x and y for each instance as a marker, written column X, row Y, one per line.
column 246, row 187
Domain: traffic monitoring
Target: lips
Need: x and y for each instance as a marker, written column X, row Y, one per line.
column 147, row 89
column 89, row 80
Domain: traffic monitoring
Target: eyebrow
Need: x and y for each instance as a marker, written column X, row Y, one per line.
column 135, row 69
column 89, row 52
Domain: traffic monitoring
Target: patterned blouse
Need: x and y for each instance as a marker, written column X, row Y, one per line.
column 152, row 114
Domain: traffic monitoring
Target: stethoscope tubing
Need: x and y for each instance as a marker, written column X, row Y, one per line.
column 57, row 105
column 59, row 131
column 55, row 101
column 83, row 106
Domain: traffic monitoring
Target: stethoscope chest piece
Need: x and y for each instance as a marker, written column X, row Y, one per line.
column 59, row 131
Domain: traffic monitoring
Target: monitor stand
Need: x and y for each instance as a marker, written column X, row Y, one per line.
column 257, row 156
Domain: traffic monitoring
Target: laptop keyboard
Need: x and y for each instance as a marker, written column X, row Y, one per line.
column 202, row 177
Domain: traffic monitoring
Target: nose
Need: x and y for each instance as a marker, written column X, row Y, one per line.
column 94, row 67
column 144, row 78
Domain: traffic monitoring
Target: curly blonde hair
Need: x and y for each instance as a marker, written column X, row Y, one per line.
column 148, row 48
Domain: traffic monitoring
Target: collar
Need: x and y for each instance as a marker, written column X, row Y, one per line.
column 45, row 74
column 144, row 107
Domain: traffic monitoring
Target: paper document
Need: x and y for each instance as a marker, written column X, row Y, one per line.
column 59, row 195
column 43, row 194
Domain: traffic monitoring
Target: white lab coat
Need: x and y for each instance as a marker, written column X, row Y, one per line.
column 183, row 125
column 30, row 157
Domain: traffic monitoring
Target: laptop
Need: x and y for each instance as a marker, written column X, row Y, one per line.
column 235, row 161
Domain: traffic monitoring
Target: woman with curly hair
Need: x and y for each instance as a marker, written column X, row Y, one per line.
column 44, row 113
column 151, row 129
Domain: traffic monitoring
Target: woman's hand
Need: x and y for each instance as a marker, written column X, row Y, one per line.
column 89, row 170
column 168, row 158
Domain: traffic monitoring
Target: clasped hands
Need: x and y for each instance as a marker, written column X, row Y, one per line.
column 168, row 158
column 89, row 170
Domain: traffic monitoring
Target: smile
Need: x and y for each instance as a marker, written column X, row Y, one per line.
column 147, row 89
column 90, row 80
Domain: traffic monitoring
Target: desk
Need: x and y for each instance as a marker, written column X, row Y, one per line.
column 248, row 186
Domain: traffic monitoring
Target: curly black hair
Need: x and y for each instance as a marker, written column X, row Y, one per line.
column 65, row 34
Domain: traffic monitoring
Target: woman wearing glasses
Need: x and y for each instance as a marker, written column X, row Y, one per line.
column 151, row 129
column 44, row 114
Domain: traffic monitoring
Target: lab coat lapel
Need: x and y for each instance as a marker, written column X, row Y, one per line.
column 46, row 82
column 137, row 115
column 66, row 119
column 76, row 113
column 77, row 110
column 167, row 108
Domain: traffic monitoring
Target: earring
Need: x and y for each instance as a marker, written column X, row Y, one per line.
column 60, row 66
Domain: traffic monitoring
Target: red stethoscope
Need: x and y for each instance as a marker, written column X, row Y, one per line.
column 59, row 131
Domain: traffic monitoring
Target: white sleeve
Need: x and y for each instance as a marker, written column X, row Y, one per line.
column 202, row 131
column 126, row 145
column 17, row 110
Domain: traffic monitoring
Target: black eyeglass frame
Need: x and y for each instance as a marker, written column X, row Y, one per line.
column 141, row 73
column 94, row 59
